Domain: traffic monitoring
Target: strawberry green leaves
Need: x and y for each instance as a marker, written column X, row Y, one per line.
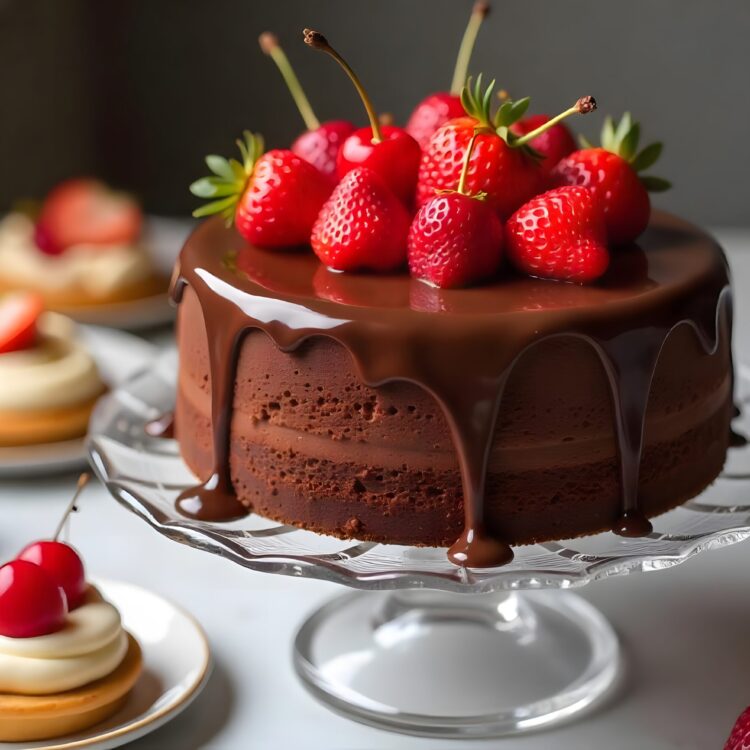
column 477, row 102
column 623, row 139
column 229, row 179
column 510, row 112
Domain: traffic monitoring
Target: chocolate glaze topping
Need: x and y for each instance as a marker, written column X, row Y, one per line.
column 458, row 345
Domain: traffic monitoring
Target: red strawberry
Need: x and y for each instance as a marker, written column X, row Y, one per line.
column 739, row 739
column 435, row 110
column 274, row 198
column 611, row 172
column 553, row 144
column 500, row 166
column 19, row 312
column 559, row 235
column 363, row 225
column 84, row 211
column 455, row 238
column 385, row 149
column 319, row 144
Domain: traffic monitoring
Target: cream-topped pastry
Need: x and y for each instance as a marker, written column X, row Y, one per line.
column 90, row 646
column 84, row 248
column 49, row 382
column 56, row 373
column 93, row 271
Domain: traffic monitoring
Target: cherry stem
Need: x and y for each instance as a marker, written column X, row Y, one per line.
column 83, row 480
column 317, row 41
column 583, row 106
column 478, row 14
column 465, row 169
column 269, row 43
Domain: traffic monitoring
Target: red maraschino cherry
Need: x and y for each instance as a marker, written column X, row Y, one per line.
column 59, row 560
column 435, row 110
column 31, row 602
column 388, row 151
column 320, row 143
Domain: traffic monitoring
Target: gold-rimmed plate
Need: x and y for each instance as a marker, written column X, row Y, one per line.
column 176, row 667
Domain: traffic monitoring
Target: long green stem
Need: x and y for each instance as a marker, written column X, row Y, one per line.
column 465, row 169
column 83, row 480
column 583, row 106
column 478, row 14
column 270, row 45
column 316, row 40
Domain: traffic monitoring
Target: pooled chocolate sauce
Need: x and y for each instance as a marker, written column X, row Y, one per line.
column 458, row 345
column 162, row 426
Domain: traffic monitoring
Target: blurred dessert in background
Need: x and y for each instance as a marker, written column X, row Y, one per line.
column 50, row 382
column 83, row 248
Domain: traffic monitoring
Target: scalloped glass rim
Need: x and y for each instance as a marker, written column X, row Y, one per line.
column 146, row 474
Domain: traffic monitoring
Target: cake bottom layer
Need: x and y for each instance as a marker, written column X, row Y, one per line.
column 416, row 505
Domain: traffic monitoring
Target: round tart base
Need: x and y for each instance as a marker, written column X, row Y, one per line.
column 27, row 718
column 45, row 426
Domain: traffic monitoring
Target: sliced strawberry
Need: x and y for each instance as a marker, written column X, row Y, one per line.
column 19, row 313
column 85, row 211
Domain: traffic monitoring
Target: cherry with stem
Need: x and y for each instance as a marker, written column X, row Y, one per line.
column 320, row 143
column 83, row 480
column 60, row 560
column 437, row 109
column 385, row 149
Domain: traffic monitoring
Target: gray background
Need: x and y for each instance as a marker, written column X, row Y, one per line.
column 138, row 91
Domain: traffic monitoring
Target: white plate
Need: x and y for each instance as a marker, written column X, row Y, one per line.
column 118, row 355
column 176, row 666
column 164, row 238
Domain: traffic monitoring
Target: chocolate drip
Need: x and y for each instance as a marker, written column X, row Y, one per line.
column 215, row 499
column 459, row 345
column 162, row 426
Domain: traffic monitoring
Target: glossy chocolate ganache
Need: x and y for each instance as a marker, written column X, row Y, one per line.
column 659, row 321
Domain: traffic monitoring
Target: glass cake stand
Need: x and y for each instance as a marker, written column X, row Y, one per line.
column 425, row 647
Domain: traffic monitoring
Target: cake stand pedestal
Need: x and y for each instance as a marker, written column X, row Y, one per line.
column 425, row 647
column 455, row 665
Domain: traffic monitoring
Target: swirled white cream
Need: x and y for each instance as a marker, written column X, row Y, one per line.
column 56, row 373
column 90, row 646
column 96, row 271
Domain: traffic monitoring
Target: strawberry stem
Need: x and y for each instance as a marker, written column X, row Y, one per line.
column 478, row 14
column 269, row 43
column 583, row 106
column 317, row 41
column 83, row 480
column 465, row 168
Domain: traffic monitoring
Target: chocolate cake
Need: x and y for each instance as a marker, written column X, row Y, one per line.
column 379, row 408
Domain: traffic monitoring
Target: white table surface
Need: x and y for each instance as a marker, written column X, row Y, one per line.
column 685, row 631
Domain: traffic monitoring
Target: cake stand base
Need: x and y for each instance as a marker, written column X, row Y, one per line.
column 456, row 665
